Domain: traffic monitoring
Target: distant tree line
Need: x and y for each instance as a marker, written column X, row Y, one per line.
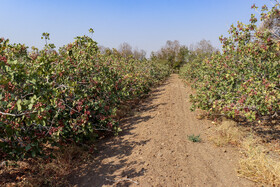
column 125, row 50
column 172, row 54
column 176, row 55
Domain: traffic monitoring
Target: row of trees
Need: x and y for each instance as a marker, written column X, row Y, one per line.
column 125, row 50
column 176, row 55
column 55, row 97
column 172, row 54
column 243, row 81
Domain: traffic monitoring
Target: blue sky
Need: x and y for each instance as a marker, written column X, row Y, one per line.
column 146, row 24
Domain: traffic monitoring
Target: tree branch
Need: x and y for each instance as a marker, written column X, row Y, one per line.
column 15, row 115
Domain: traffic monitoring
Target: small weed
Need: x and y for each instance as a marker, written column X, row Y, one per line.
column 194, row 138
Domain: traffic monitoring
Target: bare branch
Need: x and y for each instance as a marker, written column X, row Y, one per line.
column 16, row 115
column 62, row 86
column 275, row 115
column 70, row 107
column 83, row 82
column 29, row 94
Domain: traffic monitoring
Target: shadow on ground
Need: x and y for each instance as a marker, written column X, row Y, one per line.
column 268, row 131
column 98, row 173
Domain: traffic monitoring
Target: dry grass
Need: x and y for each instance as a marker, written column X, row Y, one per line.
column 44, row 172
column 258, row 163
column 228, row 133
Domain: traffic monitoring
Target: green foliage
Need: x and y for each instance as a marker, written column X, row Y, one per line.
column 50, row 97
column 194, row 138
column 243, row 82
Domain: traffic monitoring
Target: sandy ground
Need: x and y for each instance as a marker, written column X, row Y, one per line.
column 153, row 149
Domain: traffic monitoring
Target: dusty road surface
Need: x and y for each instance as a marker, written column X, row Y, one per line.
column 153, row 149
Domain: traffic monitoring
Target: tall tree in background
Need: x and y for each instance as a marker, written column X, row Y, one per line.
column 125, row 49
column 203, row 47
column 172, row 54
column 139, row 54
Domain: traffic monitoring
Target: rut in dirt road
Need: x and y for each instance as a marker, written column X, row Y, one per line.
column 153, row 149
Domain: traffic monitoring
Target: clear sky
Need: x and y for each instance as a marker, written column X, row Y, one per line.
column 146, row 24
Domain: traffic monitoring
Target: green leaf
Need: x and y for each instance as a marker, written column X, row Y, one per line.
column 19, row 105
column 30, row 106
column 28, row 147
column 33, row 154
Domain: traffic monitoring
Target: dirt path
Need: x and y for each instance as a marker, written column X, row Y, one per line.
column 154, row 150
